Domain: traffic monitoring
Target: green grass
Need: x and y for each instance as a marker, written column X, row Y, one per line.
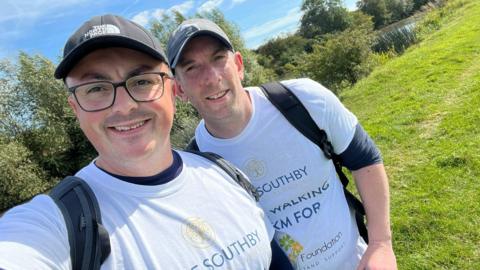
column 423, row 111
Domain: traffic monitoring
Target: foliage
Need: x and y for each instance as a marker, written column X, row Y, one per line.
column 417, row 4
column 282, row 51
column 52, row 126
column 377, row 9
column 386, row 12
column 433, row 20
column 341, row 59
column 399, row 9
column 422, row 111
column 164, row 27
column 323, row 17
column 20, row 178
column 38, row 127
column 184, row 123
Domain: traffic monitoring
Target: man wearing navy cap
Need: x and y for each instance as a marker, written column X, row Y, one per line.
column 298, row 186
column 162, row 208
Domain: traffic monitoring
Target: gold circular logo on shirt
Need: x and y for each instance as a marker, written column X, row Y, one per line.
column 255, row 169
column 198, row 232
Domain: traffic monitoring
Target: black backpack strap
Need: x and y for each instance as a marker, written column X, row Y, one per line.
column 230, row 169
column 192, row 145
column 293, row 110
column 89, row 240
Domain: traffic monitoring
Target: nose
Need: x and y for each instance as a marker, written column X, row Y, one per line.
column 211, row 75
column 123, row 103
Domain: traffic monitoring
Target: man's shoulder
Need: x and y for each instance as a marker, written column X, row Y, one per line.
column 305, row 85
column 34, row 230
column 303, row 88
column 40, row 212
column 39, row 204
column 195, row 161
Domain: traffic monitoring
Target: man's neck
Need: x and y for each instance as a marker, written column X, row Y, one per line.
column 234, row 125
column 144, row 166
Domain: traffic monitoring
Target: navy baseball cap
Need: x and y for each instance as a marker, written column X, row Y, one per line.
column 107, row 31
column 188, row 30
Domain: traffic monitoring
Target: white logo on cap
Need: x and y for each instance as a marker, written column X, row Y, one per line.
column 100, row 30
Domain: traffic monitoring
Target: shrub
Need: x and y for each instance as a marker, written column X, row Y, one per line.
column 340, row 60
column 20, row 178
column 184, row 123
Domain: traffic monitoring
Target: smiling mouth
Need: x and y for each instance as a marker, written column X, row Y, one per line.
column 218, row 96
column 127, row 128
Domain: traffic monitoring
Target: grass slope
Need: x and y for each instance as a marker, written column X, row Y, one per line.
column 423, row 110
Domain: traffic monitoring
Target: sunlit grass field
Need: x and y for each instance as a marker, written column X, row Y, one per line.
column 423, row 111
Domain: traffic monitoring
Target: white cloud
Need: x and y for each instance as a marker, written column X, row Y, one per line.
column 183, row 8
column 235, row 2
column 289, row 22
column 17, row 18
column 31, row 10
column 144, row 17
column 209, row 5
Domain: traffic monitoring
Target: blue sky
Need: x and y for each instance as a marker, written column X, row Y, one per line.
column 43, row 26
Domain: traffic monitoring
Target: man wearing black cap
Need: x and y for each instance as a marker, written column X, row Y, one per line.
column 162, row 209
column 299, row 188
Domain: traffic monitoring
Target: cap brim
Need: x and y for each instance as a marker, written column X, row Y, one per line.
column 174, row 63
column 88, row 46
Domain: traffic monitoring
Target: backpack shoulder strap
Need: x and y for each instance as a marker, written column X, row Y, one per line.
column 293, row 110
column 192, row 145
column 89, row 240
column 230, row 169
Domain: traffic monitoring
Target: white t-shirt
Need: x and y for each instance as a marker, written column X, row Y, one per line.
column 201, row 219
column 299, row 188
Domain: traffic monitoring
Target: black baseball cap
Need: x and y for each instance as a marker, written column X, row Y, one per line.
column 188, row 30
column 107, row 31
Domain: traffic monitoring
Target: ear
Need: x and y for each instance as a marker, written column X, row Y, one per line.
column 177, row 89
column 239, row 63
column 73, row 104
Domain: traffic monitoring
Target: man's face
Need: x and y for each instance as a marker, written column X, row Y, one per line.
column 209, row 76
column 128, row 132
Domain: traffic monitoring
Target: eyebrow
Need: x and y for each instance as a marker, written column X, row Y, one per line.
column 93, row 75
column 139, row 70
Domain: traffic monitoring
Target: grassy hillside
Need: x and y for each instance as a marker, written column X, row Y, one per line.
column 423, row 110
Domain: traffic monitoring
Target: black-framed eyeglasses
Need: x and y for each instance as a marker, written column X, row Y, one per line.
column 100, row 95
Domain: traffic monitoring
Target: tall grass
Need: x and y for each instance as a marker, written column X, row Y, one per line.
column 423, row 110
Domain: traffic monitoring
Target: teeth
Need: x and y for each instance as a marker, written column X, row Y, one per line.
column 126, row 128
column 217, row 96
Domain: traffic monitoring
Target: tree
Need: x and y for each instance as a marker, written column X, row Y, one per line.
column 399, row 9
column 417, row 4
column 20, row 178
column 322, row 17
column 281, row 51
column 53, row 135
column 377, row 9
column 35, row 113
column 341, row 59
column 163, row 28
column 40, row 141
